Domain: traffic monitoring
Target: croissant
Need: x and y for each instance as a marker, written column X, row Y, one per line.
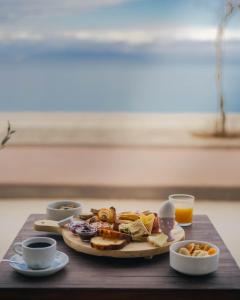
column 107, row 215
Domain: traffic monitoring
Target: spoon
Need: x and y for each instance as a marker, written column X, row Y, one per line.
column 12, row 261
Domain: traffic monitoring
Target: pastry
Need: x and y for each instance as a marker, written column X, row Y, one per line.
column 94, row 211
column 85, row 216
column 197, row 250
column 184, row 251
column 190, row 247
column 93, row 219
column 107, row 214
column 128, row 215
column 200, row 253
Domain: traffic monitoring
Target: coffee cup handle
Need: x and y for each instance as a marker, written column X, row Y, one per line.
column 17, row 248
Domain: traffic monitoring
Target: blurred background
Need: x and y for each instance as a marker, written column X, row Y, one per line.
column 105, row 97
column 115, row 56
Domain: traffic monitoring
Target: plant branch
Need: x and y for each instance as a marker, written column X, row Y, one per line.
column 8, row 135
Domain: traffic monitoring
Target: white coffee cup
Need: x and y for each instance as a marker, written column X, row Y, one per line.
column 36, row 253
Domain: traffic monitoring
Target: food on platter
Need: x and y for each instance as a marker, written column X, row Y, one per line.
column 74, row 225
column 94, row 211
column 136, row 229
column 101, row 225
column 101, row 243
column 148, row 221
column 124, row 227
column 113, row 234
column 129, row 215
column 107, row 230
column 158, row 240
column 147, row 212
column 107, row 215
column 93, row 219
column 85, row 216
column 156, row 226
column 167, row 219
column 86, row 232
column 197, row 250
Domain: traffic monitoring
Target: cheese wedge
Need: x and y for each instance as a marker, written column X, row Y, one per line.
column 148, row 221
column 138, row 231
column 158, row 240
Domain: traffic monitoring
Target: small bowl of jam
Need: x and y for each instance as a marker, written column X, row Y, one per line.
column 74, row 225
column 86, row 232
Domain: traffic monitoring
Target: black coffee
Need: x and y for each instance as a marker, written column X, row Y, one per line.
column 39, row 245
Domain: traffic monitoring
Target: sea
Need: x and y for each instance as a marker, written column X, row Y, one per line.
column 117, row 86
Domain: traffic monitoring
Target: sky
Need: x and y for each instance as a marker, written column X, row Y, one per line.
column 32, row 29
column 54, row 32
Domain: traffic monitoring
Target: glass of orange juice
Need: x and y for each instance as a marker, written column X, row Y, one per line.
column 183, row 208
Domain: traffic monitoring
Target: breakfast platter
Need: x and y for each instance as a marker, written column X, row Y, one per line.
column 132, row 249
column 104, row 232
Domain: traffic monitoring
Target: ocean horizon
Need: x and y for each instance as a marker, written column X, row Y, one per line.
column 116, row 86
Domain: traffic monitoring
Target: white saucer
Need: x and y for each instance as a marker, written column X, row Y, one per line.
column 60, row 261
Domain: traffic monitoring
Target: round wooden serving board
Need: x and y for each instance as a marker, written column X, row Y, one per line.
column 133, row 249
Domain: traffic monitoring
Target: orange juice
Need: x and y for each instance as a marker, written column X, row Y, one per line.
column 184, row 215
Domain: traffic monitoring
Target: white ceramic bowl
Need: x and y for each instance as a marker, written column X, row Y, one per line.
column 54, row 213
column 193, row 265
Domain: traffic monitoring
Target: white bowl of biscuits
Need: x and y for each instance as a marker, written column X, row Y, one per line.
column 192, row 257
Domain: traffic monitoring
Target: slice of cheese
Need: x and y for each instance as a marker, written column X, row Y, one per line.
column 148, row 221
column 138, row 231
column 158, row 240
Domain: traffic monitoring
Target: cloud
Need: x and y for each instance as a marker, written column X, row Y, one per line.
column 11, row 10
column 164, row 41
column 150, row 36
column 131, row 37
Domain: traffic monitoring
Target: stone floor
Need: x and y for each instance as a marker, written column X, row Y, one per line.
column 224, row 215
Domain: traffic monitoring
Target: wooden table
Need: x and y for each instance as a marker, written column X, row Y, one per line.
column 107, row 278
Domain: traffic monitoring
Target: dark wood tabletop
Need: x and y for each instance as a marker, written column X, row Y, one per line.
column 109, row 278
